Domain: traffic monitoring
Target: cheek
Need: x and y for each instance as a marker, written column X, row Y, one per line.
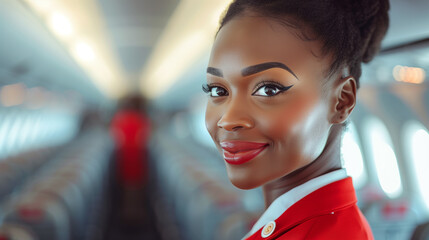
column 289, row 119
column 297, row 128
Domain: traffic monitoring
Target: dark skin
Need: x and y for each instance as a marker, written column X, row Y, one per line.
column 327, row 162
column 268, row 86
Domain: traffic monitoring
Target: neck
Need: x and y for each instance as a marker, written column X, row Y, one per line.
column 328, row 161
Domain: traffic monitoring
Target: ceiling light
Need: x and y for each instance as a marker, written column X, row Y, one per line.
column 73, row 21
column 409, row 74
column 60, row 24
column 83, row 52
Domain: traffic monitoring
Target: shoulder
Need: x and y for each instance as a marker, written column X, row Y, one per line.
column 327, row 213
column 348, row 223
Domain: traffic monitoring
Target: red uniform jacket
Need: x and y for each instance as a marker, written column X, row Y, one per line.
column 328, row 213
column 130, row 130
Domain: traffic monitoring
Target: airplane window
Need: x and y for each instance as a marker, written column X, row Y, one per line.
column 383, row 155
column 13, row 135
column 6, row 122
column 37, row 121
column 25, row 130
column 416, row 142
column 352, row 156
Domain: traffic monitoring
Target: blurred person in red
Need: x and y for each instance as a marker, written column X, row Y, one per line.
column 130, row 128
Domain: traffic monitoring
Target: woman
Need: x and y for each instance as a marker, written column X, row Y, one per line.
column 282, row 81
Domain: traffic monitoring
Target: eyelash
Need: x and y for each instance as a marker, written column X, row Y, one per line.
column 272, row 83
column 207, row 88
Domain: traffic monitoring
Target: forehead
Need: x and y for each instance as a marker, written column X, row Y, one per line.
column 248, row 40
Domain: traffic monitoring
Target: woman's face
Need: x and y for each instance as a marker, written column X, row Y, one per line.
column 266, row 113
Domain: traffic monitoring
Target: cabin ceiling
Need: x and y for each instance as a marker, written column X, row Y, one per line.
column 134, row 27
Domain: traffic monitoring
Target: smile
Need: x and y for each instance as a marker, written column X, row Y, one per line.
column 239, row 152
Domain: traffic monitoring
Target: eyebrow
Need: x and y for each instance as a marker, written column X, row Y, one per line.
column 215, row 71
column 265, row 66
column 253, row 69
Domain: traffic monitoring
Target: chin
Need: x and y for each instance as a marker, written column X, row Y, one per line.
column 244, row 185
column 243, row 181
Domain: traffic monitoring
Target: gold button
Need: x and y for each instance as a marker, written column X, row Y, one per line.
column 268, row 229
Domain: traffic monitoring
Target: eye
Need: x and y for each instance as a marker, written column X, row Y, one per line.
column 218, row 92
column 270, row 89
column 215, row 91
column 267, row 90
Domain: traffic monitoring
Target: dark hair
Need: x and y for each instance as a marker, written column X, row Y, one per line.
column 133, row 101
column 351, row 30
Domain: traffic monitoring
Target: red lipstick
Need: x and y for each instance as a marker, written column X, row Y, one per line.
column 239, row 152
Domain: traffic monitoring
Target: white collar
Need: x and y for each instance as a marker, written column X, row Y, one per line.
column 285, row 201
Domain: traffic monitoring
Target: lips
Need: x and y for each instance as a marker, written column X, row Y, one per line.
column 239, row 152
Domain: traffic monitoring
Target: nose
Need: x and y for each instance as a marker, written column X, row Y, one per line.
column 236, row 117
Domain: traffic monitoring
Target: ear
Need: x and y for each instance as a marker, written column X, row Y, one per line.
column 343, row 99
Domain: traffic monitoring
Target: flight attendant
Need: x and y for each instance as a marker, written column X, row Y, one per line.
column 282, row 80
column 130, row 128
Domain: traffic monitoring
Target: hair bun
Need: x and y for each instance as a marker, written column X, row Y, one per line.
column 364, row 10
column 372, row 20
